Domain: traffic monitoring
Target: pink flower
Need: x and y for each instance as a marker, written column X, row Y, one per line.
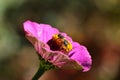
column 56, row 47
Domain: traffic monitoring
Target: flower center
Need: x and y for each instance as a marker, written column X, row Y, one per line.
column 59, row 42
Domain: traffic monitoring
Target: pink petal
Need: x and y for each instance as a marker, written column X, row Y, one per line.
column 81, row 55
column 42, row 32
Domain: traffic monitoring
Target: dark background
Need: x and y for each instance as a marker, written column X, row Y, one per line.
column 93, row 23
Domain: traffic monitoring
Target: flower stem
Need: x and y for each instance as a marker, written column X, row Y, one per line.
column 44, row 66
column 38, row 73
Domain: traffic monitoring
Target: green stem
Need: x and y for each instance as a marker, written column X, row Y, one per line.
column 44, row 66
column 38, row 73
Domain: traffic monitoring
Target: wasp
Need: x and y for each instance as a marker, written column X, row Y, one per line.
column 62, row 42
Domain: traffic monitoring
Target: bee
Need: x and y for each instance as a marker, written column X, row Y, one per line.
column 62, row 42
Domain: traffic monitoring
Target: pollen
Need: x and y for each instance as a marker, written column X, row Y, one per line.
column 55, row 37
column 61, row 42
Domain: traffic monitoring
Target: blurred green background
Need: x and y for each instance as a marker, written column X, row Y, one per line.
column 93, row 23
